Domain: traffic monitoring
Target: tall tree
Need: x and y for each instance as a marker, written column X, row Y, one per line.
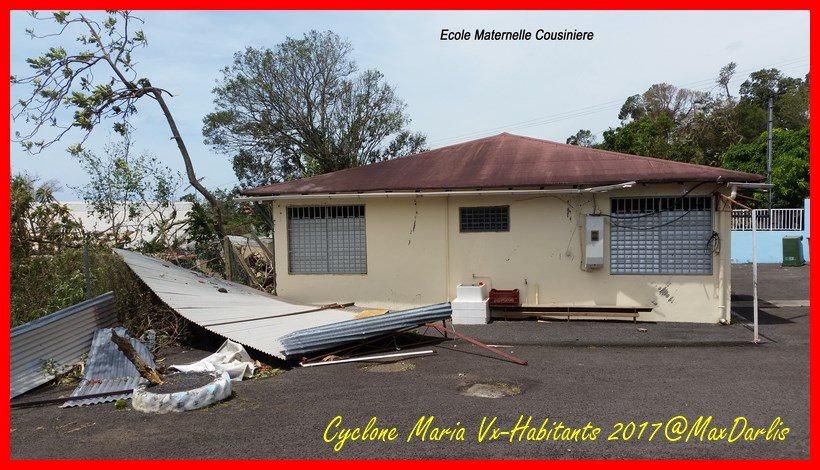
column 698, row 127
column 95, row 81
column 661, row 122
column 727, row 72
column 582, row 138
column 302, row 109
column 790, row 102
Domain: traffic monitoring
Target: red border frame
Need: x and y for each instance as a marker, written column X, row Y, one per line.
column 417, row 5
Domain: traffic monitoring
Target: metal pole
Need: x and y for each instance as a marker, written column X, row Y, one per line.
column 87, row 270
column 754, row 273
column 368, row 358
column 478, row 343
column 226, row 255
column 769, row 156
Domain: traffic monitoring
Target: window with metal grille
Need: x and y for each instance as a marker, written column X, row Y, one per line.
column 661, row 235
column 326, row 240
column 485, row 219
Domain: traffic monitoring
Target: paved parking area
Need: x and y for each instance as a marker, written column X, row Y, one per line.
column 581, row 374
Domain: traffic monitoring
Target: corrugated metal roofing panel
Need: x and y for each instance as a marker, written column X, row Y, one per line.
column 62, row 336
column 104, row 386
column 500, row 162
column 324, row 337
column 262, row 319
column 108, row 370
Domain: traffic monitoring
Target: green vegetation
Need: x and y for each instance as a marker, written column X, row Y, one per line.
column 790, row 163
column 47, row 266
column 716, row 129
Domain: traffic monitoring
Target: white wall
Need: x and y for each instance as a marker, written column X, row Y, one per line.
column 81, row 212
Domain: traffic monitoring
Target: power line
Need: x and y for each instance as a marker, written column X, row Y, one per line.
column 588, row 110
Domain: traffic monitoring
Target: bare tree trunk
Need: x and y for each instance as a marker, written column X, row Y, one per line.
column 124, row 345
column 189, row 167
column 271, row 259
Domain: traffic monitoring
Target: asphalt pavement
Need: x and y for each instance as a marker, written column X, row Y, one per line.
column 651, row 390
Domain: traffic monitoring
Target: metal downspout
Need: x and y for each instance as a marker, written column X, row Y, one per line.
column 447, row 250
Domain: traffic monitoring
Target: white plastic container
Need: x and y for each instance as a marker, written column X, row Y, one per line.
column 473, row 293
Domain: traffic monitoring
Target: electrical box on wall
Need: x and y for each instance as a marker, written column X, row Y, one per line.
column 594, row 241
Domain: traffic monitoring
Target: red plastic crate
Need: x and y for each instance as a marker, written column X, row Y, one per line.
column 504, row 298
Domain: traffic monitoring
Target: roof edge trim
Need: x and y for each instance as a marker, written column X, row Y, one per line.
column 395, row 194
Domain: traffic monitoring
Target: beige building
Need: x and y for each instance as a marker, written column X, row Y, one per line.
column 567, row 226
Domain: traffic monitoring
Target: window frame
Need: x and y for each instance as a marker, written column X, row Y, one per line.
column 324, row 210
column 662, row 262
column 462, row 209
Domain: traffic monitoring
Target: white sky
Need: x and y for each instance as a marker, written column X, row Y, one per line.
column 455, row 91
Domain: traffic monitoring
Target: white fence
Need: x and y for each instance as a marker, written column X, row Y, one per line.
column 776, row 219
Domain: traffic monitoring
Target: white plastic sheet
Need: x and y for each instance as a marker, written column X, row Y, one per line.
column 230, row 357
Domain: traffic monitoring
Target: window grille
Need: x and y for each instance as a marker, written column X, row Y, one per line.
column 485, row 219
column 661, row 235
column 327, row 240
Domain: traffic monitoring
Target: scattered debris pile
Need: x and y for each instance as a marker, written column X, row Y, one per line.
column 109, row 375
column 264, row 322
column 120, row 366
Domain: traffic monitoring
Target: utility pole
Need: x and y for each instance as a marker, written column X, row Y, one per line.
column 769, row 156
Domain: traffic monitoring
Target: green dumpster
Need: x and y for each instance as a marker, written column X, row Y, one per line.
column 793, row 251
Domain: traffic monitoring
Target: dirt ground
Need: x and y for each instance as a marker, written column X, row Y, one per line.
column 582, row 375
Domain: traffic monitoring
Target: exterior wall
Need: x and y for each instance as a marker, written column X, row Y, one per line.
column 541, row 255
column 769, row 243
column 405, row 256
column 769, row 246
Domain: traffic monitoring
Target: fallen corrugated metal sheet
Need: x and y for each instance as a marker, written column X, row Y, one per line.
column 323, row 337
column 254, row 319
column 108, row 370
column 62, row 337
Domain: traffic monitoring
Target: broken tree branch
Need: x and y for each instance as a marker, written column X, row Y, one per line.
column 124, row 345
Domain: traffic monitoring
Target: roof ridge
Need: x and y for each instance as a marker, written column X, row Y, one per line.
column 370, row 165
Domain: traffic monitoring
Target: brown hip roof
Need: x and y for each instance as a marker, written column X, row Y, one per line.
column 500, row 162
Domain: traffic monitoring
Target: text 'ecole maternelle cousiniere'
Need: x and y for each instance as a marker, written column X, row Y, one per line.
column 520, row 35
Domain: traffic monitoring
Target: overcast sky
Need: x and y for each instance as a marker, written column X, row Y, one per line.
column 454, row 91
